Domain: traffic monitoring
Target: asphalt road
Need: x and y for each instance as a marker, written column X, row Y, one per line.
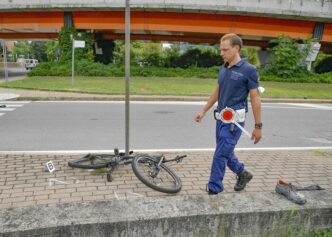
column 13, row 74
column 52, row 126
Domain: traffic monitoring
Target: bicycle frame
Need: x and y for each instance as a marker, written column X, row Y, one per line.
column 147, row 168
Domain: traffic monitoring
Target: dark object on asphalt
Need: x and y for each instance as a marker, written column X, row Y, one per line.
column 289, row 191
column 242, row 180
column 3, row 106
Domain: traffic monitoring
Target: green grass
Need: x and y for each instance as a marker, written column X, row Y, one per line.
column 299, row 90
column 321, row 153
column 98, row 171
column 167, row 86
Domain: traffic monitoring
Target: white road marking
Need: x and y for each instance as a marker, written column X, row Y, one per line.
column 131, row 102
column 14, row 105
column 315, row 106
column 79, row 152
column 201, row 103
column 14, row 102
column 6, row 109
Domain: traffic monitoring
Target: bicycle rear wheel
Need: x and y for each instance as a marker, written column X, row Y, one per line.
column 160, row 178
column 91, row 161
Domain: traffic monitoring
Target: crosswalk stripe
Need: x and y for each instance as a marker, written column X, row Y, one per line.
column 11, row 106
column 14, row 102
column 6, row 109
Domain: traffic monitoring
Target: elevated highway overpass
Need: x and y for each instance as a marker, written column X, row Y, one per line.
column 257, row 21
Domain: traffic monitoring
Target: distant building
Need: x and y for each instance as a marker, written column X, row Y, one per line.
column 10, row 46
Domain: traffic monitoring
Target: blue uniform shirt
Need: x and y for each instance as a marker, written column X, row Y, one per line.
column 235, row 83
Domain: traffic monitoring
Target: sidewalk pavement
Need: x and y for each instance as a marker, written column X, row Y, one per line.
column 24, row 180
column 6, row 94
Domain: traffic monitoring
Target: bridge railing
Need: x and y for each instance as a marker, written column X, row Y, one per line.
column 305, row 8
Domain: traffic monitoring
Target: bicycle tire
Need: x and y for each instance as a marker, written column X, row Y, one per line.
column 90, row 162
column 150, row 163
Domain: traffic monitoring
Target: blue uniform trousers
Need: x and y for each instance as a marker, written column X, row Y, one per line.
column 224, row 155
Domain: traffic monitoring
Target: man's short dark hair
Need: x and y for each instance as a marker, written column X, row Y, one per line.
column 233, row 38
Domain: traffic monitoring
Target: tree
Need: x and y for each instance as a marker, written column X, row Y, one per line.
column 171, row 55
column 119, row 53
column 209, row 56
column 200, row 56
column 21, row 48
column 66, row 36
column 51, row 48
column 38, row 50
column 288, row 57
column 151, row 54
column 251, row 55
column 1, row 52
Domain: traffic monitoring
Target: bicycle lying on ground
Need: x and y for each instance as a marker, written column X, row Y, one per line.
column 151, row 170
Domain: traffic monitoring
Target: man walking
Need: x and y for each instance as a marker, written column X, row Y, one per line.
column 236, row 80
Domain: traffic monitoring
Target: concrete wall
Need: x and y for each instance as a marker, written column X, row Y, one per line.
column 312, row 9
column 231, row 215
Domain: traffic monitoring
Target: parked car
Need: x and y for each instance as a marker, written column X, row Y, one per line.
column 30, row 63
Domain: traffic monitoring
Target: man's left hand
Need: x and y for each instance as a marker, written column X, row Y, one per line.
column 256, row 135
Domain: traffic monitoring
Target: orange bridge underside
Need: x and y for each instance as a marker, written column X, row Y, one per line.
column 160, row 26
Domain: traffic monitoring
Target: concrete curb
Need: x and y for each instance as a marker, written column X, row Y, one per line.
column 8, row 96
column 237, row 214
column 44, row 95
column 168, row 98
column 165, row 98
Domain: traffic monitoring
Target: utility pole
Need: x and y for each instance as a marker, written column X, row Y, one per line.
column 127, row 71
column 4, row 50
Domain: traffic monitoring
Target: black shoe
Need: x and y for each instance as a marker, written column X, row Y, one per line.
column 209, row 191
column 212, row 193
column 242, row 180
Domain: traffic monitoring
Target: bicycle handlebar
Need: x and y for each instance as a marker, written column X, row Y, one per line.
column 177, row 159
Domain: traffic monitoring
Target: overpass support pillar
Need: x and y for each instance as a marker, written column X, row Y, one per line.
column 318, row 30
column 68, row 20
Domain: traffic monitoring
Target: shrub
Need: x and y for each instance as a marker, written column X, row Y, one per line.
column 288, row 58
column 252, row 55
column 65, row 45
column 86, row 68
column 306, row 78
column 198, row 57
column 42, row 69
column 325, row 65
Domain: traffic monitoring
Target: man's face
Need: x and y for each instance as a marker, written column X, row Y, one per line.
column 227, row 51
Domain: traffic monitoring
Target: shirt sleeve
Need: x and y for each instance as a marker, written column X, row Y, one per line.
column 253, row 79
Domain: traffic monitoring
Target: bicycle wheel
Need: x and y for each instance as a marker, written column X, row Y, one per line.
column 159, row 178
column 91, row 162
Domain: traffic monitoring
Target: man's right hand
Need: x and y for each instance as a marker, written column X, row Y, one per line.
column 199, row 117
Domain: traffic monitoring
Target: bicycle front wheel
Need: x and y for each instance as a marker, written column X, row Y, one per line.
column 90, row 162
column 160, row 178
